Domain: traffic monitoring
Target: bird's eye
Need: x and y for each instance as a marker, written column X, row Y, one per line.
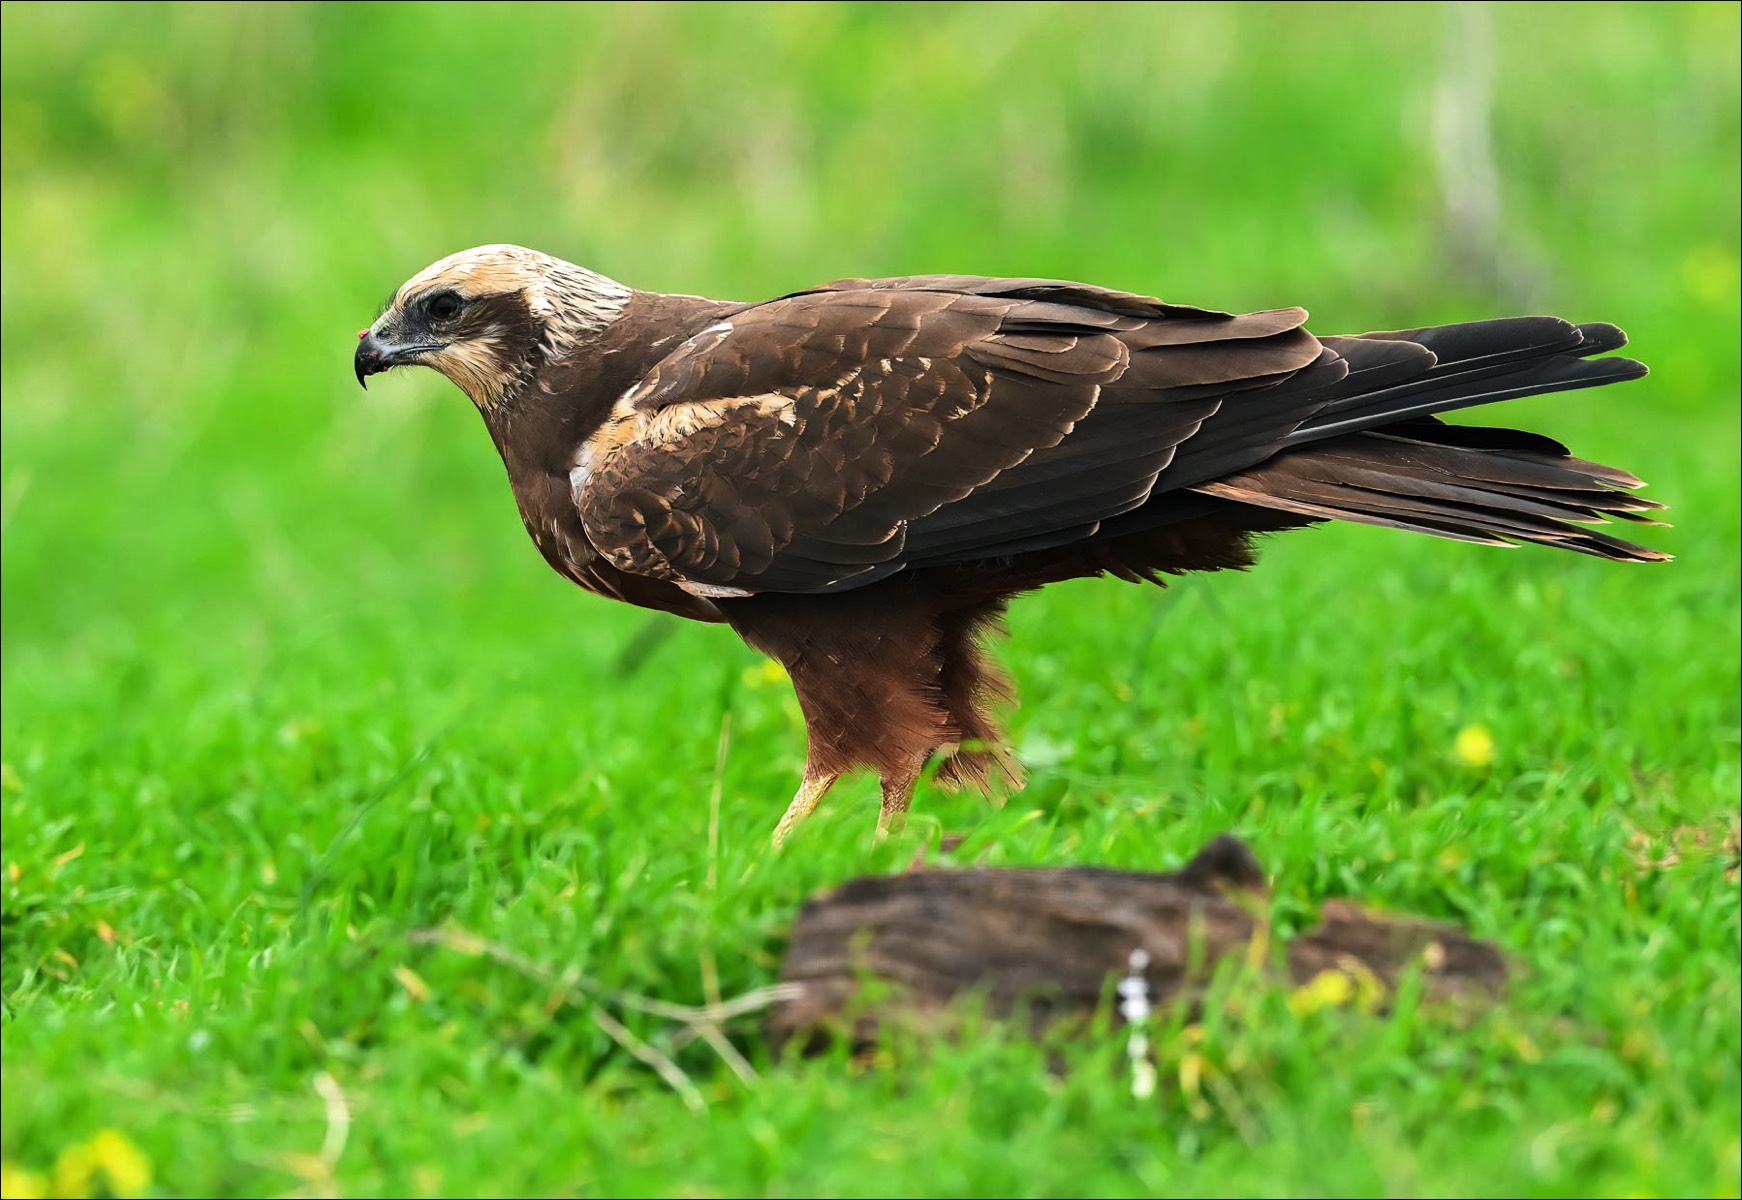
column 445, row 306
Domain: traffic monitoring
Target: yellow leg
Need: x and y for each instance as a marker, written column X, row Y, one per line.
column 810, row 792
column 897, row 795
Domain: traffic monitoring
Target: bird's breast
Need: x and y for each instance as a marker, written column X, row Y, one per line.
column 547, row 509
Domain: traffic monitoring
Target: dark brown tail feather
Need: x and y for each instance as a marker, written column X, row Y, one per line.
column 1477, row 362
column 1376, row 453
column 1494, row 486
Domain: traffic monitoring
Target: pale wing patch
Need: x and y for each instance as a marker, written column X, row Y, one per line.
column 704, row 341
column 582, row 470
column 677, row 421
column 711, row 591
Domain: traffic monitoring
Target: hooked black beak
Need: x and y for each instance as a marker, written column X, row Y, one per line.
column 376, row 354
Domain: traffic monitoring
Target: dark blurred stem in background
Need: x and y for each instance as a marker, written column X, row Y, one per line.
column 1478, row 249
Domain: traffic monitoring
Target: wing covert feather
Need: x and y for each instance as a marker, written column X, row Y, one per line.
column 833, row 437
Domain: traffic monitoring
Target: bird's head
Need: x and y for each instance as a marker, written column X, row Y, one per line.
column 488, row 318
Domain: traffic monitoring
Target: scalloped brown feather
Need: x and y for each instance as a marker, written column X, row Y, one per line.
column 859, row 477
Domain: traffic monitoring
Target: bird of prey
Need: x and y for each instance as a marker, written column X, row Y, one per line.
column 858, row 477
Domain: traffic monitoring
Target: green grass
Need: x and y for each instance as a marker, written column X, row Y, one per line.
column 284, row 682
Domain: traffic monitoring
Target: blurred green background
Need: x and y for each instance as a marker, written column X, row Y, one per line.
column 284, row 680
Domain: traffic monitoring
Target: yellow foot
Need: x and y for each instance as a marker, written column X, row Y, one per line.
column 812, row 790
column 897, row 795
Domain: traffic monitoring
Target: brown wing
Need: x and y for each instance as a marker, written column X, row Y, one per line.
column 833, row 437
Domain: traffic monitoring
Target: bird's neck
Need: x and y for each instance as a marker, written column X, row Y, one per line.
column 542, row 430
